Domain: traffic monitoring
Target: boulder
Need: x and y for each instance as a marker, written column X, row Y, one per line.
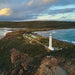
column 50, row 66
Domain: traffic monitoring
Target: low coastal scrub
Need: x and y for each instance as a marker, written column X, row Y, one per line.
column 39, row 24
column 32, row 48
column 66, row 50
column 23, row 45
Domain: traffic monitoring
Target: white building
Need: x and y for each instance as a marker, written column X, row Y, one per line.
column 50, row 43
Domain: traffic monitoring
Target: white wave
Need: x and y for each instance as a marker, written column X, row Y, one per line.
column 73, row 42
column 66, row 40
column 6, row 32
column 3, row 34
column 53, row 32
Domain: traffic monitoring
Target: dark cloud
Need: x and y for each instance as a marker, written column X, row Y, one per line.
column 4, row 1
column 61, row 11
column 65, row 2
column 63, row 17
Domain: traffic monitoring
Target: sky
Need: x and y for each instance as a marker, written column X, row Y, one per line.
column 30, row 10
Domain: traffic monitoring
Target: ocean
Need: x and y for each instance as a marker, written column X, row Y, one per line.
column 67, row 35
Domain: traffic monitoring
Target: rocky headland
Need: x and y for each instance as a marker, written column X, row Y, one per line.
column 22, row 56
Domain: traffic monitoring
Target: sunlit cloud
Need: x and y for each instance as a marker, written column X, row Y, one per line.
column 5, row 11
column 48, row 1
column 41, row 2
column 30, row 2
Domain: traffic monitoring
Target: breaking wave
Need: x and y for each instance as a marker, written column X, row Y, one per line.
column 73, row 42
column 3, row 33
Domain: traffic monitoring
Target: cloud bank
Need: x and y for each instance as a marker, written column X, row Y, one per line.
column 18, row 10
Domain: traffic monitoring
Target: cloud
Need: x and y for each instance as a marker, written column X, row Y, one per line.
column 32, row 9
column 61, row 11
column 4, row 1
column 5, row 11
column 30, row 2
column 41, row 2
column 48, row 1
column 67, row 10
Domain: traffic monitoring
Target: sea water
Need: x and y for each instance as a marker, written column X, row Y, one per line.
column 67, row 35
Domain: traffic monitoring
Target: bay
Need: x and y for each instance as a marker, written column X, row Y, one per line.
column 67, row 35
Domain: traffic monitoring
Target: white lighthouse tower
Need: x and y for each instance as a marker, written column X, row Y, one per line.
column 50, row 43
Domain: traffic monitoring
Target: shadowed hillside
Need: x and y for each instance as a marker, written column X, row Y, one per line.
column 39, row 24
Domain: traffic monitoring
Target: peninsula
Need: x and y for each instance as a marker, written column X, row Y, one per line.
column 24, row 53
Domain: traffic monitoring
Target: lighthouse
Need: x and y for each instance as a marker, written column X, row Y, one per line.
column 50, row 43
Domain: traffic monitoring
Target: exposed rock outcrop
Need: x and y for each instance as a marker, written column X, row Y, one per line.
column 49, row 66
column 19, row 57
column 20, row 61
column 15, row 56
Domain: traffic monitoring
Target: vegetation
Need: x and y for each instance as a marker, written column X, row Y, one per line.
column 39, row 24
column 68, row 50
column 23, row 45
column 31, row 47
